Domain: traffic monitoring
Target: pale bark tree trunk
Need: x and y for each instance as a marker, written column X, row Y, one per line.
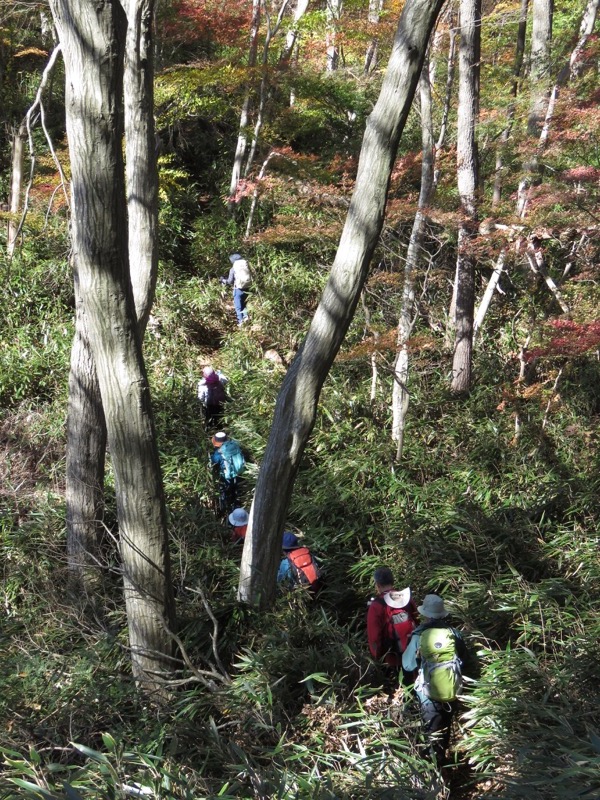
column 93, row 39
column 400, row 393
column 510, row 115
column 289, row 54
column 272, row 31
column 586, row 29
column 86, row 448
column 16, row 186
column 242, row 142
column 375, row 9
column 296, row 406
column 468, row 182
column 449, row 81
column 291, row 38
column 140, row 155
column 333, row 14
column 541, row 39
column 86, row 427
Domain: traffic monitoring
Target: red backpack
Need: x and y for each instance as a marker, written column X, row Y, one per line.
column 401, row 613
column 304, row 566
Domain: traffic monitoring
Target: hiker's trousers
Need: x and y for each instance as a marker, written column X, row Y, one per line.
column 437, row 719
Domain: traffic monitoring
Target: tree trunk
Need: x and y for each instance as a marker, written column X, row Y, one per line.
column 264, row 89
column 296, row 406
column 468, row 181
column 93, row 41
column 16, row 186
column 375, row 8
column 86, row 426
column 586, row 29
column 333, row 14
column 541, row 38
column 140, row 154
column 86, row 448
column 242, row 142
column 510, row 114
column 400, row 393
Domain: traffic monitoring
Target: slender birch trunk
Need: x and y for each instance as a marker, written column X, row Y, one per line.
column 264, row 87
column 468, row 182
column 375, row 9
column 510, row 113
column 296, row 406
column 16, row 185
column 242, row 142
column 333, row 13
column 400, row 393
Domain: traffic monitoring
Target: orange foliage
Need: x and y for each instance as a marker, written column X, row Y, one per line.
column 218, row 21
column 574, row 339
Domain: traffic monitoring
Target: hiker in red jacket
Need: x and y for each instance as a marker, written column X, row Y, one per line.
column 391, row 619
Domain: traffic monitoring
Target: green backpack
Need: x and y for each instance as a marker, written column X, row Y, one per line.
column 442, row 676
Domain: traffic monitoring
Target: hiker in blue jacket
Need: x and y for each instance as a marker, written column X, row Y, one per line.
column 437, row 651
column 240, row 278
column 229, row 459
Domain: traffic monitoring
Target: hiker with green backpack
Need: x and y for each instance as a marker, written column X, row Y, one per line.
column 437, row 651
column 229, row 459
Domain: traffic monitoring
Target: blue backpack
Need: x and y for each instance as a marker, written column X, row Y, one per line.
column 234, row 462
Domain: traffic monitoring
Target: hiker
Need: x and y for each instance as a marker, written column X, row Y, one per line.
column 391, row 619
column 240, row 278
column 212, row 395
column 229, row 459
column 238, row 519
column 297, row 567
column 437, row 651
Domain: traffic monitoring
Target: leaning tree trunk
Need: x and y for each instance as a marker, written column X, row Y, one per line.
column 468, row 179
column 93, row 38
column 296, row 406
column 400, row 393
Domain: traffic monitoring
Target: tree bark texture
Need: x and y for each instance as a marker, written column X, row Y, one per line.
column 16, row 185
column 86, row 427
column 541, row 39
column 333, row 14
column 86, row 448
column 467, row 171
column 510, row 113
column 93, row 40
column 296, row 405
column 400, row 393
column 375, row 9
column 242, row 142
column 140, row 154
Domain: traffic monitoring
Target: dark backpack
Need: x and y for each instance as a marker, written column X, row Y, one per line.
column 304, row 567
column 216, row 394
column 401, row 622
